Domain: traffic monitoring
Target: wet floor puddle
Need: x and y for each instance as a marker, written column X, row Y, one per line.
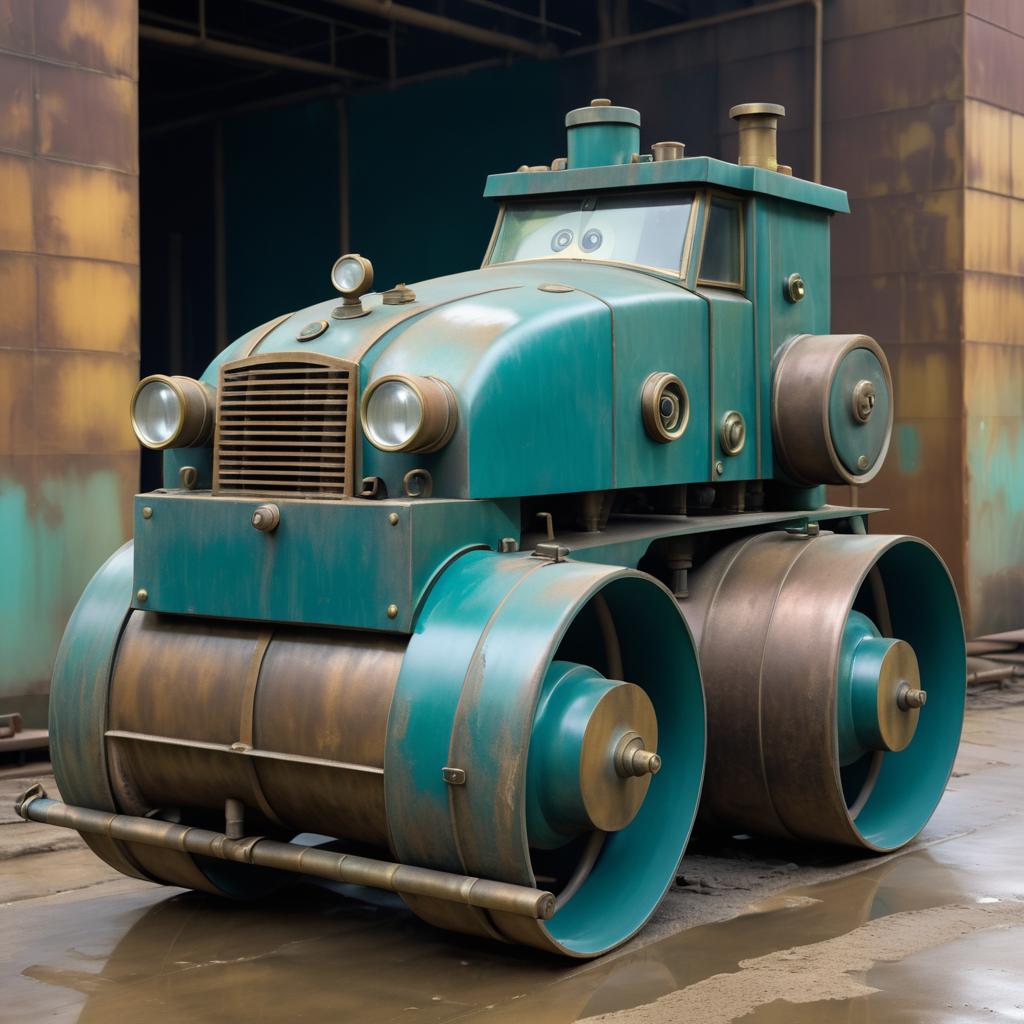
column 140, row 957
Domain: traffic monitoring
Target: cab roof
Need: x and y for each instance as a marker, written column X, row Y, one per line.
column 700, row 170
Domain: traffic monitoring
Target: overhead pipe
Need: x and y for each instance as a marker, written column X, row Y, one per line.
column 449, row 26
column 249, row 54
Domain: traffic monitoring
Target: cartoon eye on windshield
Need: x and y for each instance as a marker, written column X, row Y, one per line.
column 561, row 240
column 591, row 240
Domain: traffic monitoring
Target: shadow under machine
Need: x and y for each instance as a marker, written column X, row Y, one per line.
column 481, row 590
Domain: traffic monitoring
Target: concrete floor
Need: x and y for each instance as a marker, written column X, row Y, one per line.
column 757, row 932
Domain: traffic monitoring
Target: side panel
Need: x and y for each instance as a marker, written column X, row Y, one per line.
column 733, row 380
column 664, row 330
column 532, row 370
column 327, row 563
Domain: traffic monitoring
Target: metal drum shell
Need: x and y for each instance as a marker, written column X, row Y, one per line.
column 79, row 704
column 804, row 373
column 467, row 698
column 769, row 612
column 308, row 694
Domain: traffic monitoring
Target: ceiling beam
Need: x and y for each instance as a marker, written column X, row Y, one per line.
column 448, row 26
column 248, row 54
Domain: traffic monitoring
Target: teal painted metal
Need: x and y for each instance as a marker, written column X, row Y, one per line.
column 860, row 656
column 601, row 135
column 555, row 813
column 197, row 555
column 509, row 653
column 467, row 697
column 79, row 691
column 699, row 170
column 925, row 613
column 854, row 439
column 200, row 459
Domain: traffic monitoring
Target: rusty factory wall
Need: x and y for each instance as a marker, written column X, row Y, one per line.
column 893, row 138
column 993, row 314
column 924, row 108
column 69, row 317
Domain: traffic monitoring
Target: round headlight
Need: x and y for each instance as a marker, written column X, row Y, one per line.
column 409, row 414
column 352, row 275
column 172, row 412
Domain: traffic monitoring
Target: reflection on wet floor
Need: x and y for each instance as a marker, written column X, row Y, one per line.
column 126, row 952
column 316, row 956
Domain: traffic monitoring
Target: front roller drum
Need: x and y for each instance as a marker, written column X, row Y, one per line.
column 835, row 671
column 564, row 700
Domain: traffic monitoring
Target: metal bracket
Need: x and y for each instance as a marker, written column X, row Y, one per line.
column 453, row 776
column 804, row 530
column 555, row 552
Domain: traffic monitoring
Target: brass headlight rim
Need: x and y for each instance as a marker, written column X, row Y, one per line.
column 364, row 286
column 654, row 388
column 424, row 439
column 179, row 425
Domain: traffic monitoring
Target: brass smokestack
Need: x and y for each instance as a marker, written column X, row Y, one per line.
column 758, row 125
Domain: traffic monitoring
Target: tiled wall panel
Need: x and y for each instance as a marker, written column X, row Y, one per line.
column 69, row 319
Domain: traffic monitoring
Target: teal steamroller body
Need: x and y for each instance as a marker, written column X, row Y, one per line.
column 482, row 589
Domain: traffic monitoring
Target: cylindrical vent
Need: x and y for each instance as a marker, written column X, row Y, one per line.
column 758, row 123
column 668, row 151
column 601, row 134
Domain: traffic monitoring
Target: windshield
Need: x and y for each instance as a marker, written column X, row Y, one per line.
column 646, row 230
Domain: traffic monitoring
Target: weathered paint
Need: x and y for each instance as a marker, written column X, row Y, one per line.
column 69, row 319
column 52, row 533
column 324, row 564
column 908, row 449
column 692, row 170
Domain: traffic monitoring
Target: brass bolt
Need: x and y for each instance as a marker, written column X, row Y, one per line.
column 392, row 611
column 862, row 463
column 142, row 596
column 795, row 288
column 908, row 698
column 147, row 512
column 863, row 400
column 393, row 519
column 632, row 760
column 266, row 518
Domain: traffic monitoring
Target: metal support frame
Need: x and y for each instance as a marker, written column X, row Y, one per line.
column 448, row 26
column 721, row 19
column 250, row 54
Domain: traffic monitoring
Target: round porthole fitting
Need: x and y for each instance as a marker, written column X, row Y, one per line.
column 665, row 407
column 733, row 433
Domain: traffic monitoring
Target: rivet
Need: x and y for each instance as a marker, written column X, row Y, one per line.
column 142, row 596
column 862, row 462
column 719, row 468
column 392, row 611
column 393, row 519
column 147, row 512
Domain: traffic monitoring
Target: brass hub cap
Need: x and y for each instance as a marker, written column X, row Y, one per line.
column 899, row 707
column 618, row 757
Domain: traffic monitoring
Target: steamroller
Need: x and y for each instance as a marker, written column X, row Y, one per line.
column 481, row 589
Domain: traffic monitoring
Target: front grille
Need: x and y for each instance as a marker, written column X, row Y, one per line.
column 284, row 427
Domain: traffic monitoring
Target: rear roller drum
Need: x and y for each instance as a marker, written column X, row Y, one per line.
column 835, row 676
